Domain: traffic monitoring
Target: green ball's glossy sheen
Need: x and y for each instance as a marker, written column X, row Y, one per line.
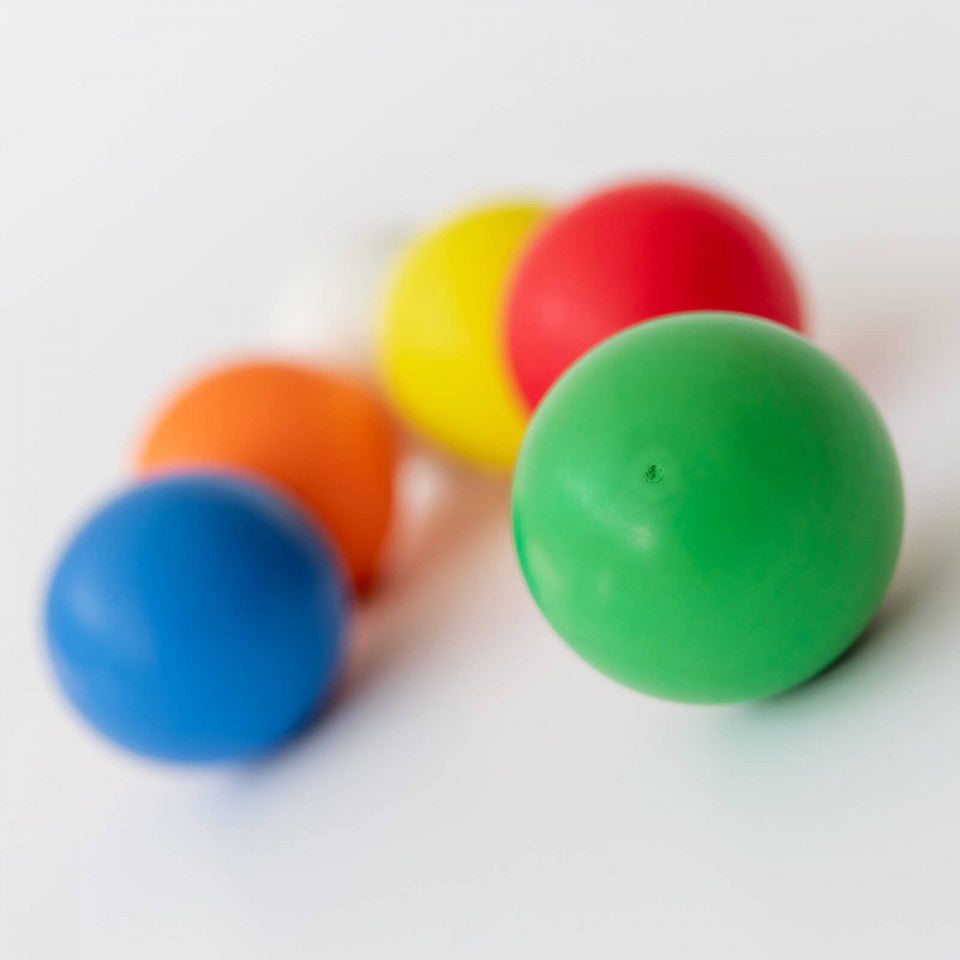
column 708, row 508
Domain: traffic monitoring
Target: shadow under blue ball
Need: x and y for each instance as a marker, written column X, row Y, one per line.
column 198, row 617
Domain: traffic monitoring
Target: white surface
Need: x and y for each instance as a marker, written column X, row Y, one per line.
column 164, row 167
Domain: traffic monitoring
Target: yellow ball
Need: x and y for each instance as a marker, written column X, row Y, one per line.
column 441, row 354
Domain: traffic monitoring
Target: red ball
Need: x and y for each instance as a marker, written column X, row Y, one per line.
column 629, row 254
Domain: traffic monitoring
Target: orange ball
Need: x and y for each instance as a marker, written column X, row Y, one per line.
column 322, row 437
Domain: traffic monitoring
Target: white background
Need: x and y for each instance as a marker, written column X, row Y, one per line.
column 166, row 170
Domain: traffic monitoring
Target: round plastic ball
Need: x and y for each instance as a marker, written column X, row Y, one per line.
column 322, row 437
column 328, row 305
column 197, row 618
column 631, row 253
column 441, row 354
column 708, row 508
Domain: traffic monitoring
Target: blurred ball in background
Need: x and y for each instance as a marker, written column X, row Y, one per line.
column 328, row 308
column 321, row 436
column 441, row 351
column 628, row 254
column 197, row 617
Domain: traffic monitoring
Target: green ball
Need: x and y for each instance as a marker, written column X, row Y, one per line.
column 708, row 508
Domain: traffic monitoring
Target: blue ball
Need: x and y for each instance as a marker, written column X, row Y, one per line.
column 198, row 617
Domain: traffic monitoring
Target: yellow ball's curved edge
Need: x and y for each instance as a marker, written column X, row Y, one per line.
column 440, row 352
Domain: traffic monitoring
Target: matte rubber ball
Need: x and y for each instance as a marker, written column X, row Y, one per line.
column 197, row 618
column 320, row 436
column 631, row 253
column 440, row 351
column 708, row 508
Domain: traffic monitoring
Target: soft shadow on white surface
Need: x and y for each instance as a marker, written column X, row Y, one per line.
column 446, row 518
